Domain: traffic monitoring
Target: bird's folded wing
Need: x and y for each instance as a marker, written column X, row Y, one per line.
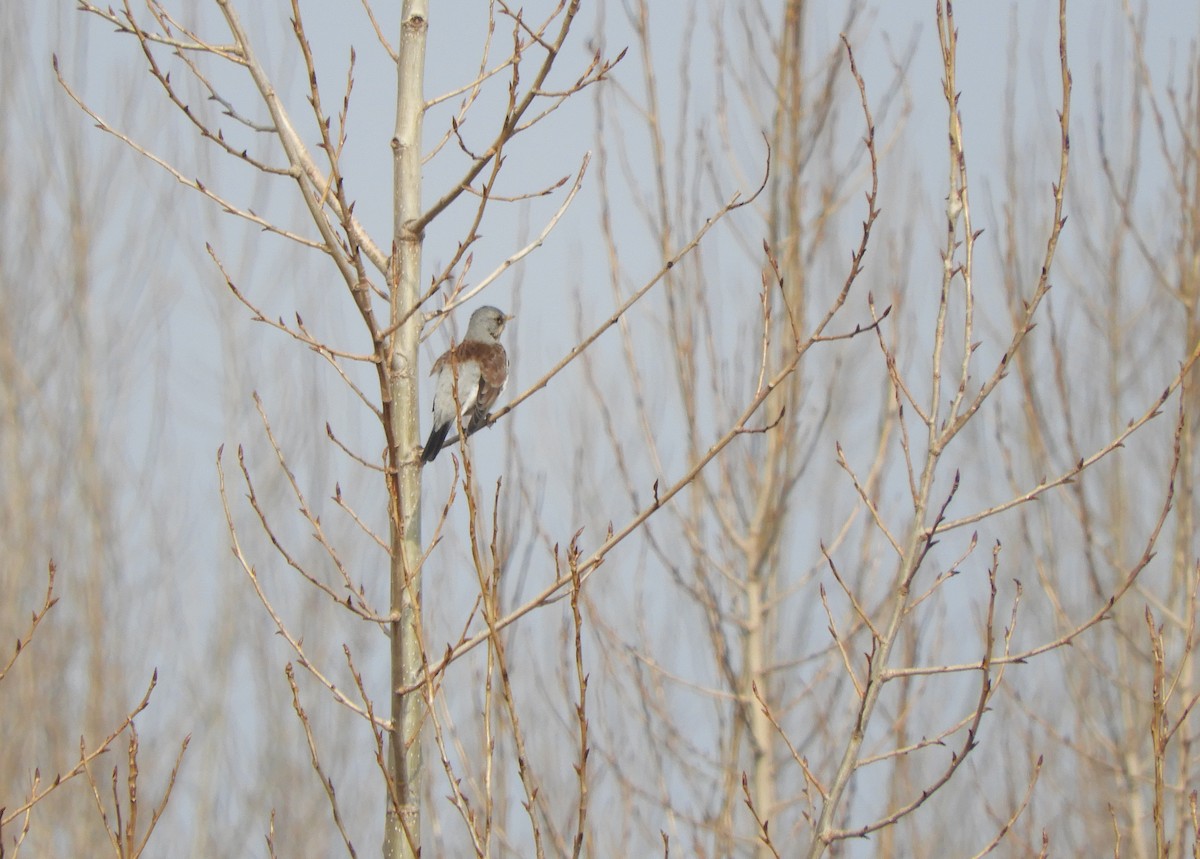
column 443, row 396
column 468, row 386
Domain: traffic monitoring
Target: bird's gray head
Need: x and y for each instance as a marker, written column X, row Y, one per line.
column 486, row 324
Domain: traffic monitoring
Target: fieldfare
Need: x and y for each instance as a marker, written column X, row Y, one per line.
column 481, row 366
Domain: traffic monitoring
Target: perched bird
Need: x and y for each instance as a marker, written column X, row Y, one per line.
column 481, row 366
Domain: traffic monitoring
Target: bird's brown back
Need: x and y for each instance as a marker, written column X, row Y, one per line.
column 493, row 361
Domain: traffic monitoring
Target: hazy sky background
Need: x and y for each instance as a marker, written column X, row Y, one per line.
column 177, row 359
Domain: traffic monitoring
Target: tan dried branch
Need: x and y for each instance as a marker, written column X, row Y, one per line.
column 315, row 758
column 1017, row 812
column 764, row 826
column 300, row 333
column 86, row 757
column 123, row 25
column 311, row 181
column 39, row 614
column 1084, row 463
column 735, row 202
column 179, row 176
column 958, row 419
column 801, row 761
column 518, row 107
column 581, row 677
column 359, row 605
column 252, row 574
column 455, row 299
column 593, row 561
column 124, row 835
column 164, row 79
column 872, row 508
column 986, row 689
column 387, row 46
column 1158, row 730
column 857, row 606
column 1099, row 615
column 488, row 576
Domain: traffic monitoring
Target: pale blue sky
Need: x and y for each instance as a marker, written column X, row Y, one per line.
column 178, row 360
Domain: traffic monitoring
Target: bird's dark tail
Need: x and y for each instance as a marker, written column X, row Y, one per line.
column 437, row 437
